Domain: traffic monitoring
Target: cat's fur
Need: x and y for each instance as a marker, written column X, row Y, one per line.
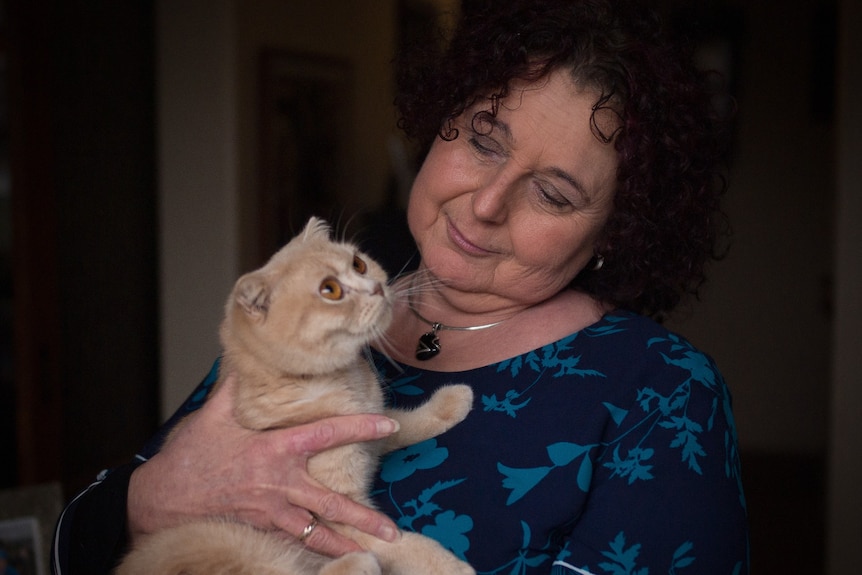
column 293, row 334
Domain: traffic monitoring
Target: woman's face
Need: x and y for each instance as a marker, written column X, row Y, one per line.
column 513, row 206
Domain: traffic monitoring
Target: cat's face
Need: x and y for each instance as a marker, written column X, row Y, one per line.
column 312, row 307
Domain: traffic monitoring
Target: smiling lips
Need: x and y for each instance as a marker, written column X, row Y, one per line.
column 463, row 243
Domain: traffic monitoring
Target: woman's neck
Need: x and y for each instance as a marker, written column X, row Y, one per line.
column 520, row 329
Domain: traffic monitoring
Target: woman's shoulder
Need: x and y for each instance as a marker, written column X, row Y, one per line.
column 631, row 326
column 624, row 337
column 625, row 362
column 645, row 353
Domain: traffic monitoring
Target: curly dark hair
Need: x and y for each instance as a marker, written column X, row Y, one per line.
column 666, row 224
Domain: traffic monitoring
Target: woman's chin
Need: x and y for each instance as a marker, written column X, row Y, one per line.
column 455, row 272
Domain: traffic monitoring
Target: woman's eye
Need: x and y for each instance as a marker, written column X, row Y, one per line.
column 331, row 289
column 484, row 146
column 553, row 198
column 359, row 265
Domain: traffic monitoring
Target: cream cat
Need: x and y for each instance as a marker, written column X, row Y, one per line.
column 293, row 333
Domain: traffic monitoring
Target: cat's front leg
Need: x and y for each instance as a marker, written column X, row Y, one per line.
column 359, row 563
column 447, row 407
column 416, row 554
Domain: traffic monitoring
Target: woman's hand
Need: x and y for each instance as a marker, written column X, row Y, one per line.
column 213, row 467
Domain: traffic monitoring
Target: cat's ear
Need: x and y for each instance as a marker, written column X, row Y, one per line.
column 252, row 294
column 316, row 228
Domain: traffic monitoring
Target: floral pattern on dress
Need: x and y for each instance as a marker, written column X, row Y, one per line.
column 628, row 404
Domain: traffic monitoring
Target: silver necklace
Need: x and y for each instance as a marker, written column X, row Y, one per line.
column 428, row 345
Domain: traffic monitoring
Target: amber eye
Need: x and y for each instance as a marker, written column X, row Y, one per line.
column 359, row 265
column 331, row 289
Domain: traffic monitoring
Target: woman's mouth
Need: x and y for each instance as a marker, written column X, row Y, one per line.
column 463, row 243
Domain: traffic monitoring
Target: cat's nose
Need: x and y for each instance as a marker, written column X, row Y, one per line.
column 378, row 289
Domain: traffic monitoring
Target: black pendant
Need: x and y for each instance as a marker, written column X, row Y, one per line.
column 428, row 346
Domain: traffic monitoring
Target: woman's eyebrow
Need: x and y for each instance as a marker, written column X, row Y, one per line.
column 497, row 124
column 571, row 180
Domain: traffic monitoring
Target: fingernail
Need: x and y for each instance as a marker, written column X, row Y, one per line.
column 387, row 426
column 390, row 534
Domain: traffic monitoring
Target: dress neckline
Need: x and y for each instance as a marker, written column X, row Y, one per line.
column 404, row 367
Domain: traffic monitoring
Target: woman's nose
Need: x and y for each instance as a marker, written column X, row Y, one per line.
column 491, row 200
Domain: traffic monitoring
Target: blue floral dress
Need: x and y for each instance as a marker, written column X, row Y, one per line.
column 610, row 451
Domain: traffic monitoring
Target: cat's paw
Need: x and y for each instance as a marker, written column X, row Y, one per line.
column 446, row 408
column 452, row 403
column 416, row 554
column 461, row 569
column 359, row 563
column 452, row 566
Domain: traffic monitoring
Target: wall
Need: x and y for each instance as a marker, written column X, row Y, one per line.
column 361, row 33
column 844, row 527
column 197, row 150
column 83, row 186
column 207, row 95
column 765, row 314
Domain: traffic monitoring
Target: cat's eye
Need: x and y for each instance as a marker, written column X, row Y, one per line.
column 331, row 289
column 359, row 265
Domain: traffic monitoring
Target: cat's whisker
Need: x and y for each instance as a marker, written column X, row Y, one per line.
column 420, row 284
column 406, row 267
column 351, row 231
column 404, row 273
column 421, row 281
column 383, row 345
column 339, row 231
column 417, row 290
column 348, row 226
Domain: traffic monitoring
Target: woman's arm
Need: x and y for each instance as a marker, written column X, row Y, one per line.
column 91, row 535
column 212, row 466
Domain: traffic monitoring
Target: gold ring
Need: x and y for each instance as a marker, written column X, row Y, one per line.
column 308, row 529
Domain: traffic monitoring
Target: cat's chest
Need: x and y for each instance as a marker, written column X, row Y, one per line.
column 353, row 392
column 284, row 402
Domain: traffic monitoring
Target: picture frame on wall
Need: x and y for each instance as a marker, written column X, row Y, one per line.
column 28, row 515
column 21, row 546
column 305, row 118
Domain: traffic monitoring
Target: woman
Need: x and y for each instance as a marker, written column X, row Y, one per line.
column 569, row 191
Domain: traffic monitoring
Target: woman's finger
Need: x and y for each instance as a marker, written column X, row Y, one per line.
column 328, row 542
column 337, row 508
column 319, row 537
column 312, row 438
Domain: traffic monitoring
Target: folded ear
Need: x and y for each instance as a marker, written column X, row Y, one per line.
column 315, row 228
column 252, row 294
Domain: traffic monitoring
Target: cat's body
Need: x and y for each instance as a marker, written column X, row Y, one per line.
column 293, row 335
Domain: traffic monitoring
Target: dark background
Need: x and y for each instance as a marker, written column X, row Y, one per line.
column 79, row 363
